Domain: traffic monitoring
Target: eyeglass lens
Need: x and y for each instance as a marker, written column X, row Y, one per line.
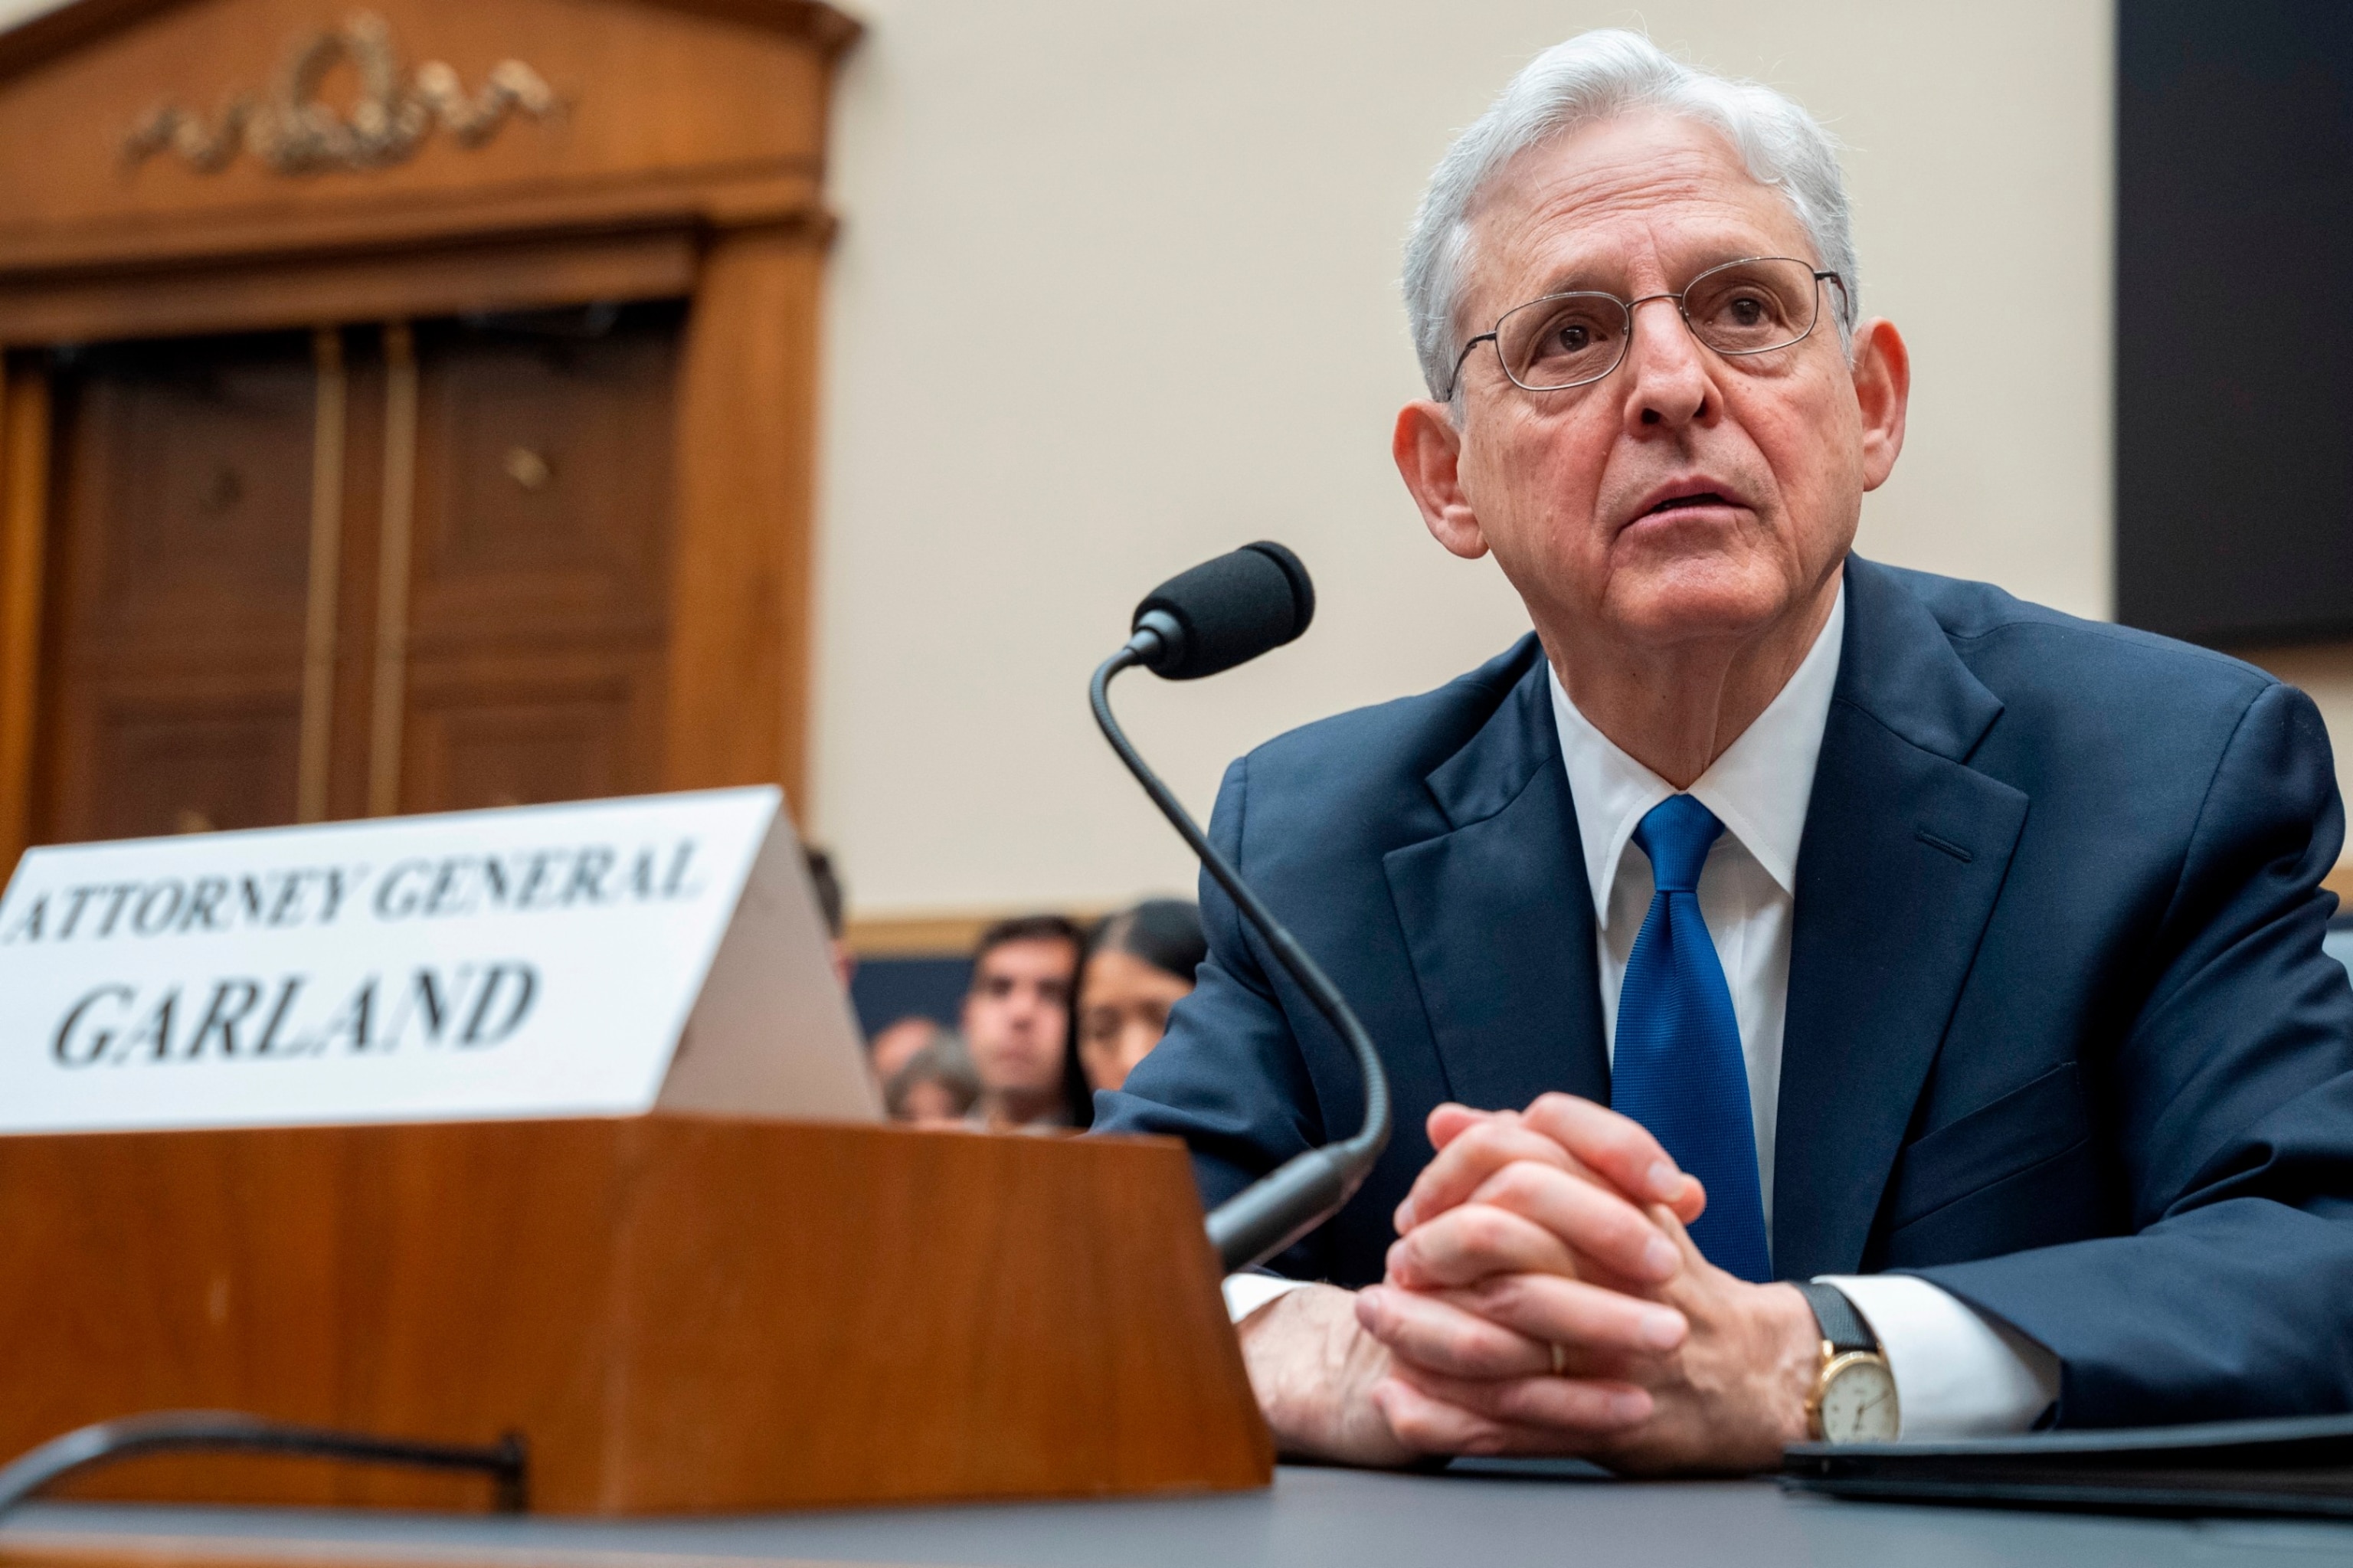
column 1744, row 307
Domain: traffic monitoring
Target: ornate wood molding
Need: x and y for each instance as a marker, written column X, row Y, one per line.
column 293, row 131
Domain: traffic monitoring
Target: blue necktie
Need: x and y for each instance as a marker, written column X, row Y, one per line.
column 1678, row 1068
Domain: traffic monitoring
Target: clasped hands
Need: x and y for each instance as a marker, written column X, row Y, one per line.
column 1542, row 1297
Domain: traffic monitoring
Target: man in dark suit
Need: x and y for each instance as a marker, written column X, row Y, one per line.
column 1820, row 999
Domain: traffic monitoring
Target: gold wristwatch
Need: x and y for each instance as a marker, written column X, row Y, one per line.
column 1854, row 1393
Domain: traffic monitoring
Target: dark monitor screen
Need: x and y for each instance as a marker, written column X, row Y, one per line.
column 2234, row 319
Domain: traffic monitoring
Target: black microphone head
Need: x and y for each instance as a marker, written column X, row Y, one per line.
column 1231, row 609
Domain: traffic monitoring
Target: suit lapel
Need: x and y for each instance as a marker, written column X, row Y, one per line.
column 1498, row 919
column 1905, row 851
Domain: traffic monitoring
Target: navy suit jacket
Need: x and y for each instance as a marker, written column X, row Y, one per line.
column 2060, row 1035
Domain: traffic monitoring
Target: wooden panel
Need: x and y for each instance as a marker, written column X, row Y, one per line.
column 945, row 1316
column 189, row 516
column 182, row 540
column 84, row 308
column 507, row 730
column 746, row 424
column 648, row 93
column 320, row 1278
column 546, row 748
column 539, row 601
column 154, row 757
column 23, row 528
column 268, row 235
column 543, row 493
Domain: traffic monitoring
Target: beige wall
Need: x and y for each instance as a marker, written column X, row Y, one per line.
column 1116, row 292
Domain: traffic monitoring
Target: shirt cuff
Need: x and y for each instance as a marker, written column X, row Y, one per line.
column 1958, row 1374
column 1246, row 1293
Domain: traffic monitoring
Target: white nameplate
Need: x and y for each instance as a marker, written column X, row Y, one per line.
column 602, row 958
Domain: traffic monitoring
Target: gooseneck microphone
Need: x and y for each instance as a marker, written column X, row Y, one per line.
column 1222, row 613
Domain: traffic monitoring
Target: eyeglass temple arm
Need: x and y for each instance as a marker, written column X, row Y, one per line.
column 1454, row 377
column 1846, row 301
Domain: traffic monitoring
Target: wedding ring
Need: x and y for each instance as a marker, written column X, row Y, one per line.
column 1560, row 1361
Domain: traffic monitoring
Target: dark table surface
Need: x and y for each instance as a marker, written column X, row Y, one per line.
column 1311, row 1517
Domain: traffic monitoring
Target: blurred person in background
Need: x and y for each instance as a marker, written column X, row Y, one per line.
column 1139, row 964
column 935, row 1086
column 898, row 1042
column 1017, row 1025
column 826, row 883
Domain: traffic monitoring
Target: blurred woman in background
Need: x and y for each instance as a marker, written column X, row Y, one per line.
column 1139, row 963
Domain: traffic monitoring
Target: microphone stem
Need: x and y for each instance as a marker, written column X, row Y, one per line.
column 1269, row 1216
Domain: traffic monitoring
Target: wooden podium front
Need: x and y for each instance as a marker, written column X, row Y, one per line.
column 677, row 1313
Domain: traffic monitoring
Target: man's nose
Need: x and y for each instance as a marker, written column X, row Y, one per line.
column 1669, row 382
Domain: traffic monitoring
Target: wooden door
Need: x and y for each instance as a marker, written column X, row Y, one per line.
column 179, row 587
column 460, row 528
column 539, row 607
column 640, row 150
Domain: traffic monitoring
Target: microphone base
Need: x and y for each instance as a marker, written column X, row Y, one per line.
column 1270, row 1214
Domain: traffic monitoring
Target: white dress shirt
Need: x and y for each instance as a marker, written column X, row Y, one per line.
column 1957, row 1374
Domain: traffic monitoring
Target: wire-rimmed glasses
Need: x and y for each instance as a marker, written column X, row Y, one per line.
column 1753, row 305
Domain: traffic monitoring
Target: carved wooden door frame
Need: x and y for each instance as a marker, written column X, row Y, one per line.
column 590, row 189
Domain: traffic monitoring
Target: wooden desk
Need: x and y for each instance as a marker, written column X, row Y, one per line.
column 679, row 1314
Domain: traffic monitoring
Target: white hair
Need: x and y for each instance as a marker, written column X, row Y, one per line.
column 1594, row 76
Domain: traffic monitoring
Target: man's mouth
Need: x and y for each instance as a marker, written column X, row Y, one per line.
column 1692, row 492
column 1685, row 503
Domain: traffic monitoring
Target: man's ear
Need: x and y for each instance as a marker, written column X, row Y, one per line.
column 1429, row 450
column 1883, row 387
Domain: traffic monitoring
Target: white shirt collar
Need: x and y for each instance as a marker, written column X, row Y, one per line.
column 1757, row 789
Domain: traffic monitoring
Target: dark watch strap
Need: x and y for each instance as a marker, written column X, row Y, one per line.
column 1841, row 1324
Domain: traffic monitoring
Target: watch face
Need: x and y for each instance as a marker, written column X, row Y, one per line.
column 1859, row 1402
